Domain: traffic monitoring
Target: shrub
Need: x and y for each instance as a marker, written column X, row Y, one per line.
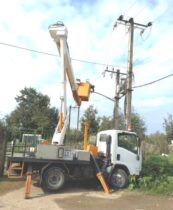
column 155, row 166
column 74, row 138
column 157, row 176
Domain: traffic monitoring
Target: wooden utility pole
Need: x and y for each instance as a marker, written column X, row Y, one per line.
column 128, row 96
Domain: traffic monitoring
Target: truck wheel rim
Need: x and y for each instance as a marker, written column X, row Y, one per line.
column 118, row 180
column 55, row 178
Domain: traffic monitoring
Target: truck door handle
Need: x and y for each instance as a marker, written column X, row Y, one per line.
column 118, row 156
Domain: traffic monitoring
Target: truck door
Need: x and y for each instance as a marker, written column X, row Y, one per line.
column 128, row 152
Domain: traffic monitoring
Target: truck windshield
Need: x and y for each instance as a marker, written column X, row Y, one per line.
column 128, row 141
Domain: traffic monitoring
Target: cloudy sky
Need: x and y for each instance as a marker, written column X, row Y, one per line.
column 91, row 37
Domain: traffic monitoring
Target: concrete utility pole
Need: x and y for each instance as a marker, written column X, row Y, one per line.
column 78, row 117
column 128, row 107
column 117, row 95
column 117, row 98
column 128, row 99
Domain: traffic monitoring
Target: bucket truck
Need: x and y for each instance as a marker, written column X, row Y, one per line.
column 116, row 155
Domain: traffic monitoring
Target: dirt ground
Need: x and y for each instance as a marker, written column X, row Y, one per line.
column 77, row 196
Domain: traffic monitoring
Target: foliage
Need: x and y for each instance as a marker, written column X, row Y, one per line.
column 168, row 126
column 33, row 111
column 74, row 138
column 106, row 123
column 138, row 124
column 155, row 143
column 2, row 123
column 157, row 176
column 133, row 183
column 156, row 165
column 22, row 147
column 90, row 116
column 159, row 185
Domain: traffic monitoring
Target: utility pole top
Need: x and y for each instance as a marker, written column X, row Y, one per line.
column 121, row 20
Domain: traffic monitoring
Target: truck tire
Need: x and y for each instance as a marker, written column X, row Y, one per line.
column 53, row 178
column 118, row 179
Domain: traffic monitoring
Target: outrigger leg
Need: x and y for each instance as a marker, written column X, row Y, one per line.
column 100, row 176
column 28, row 182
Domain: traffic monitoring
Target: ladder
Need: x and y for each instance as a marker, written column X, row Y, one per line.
column 15, row 170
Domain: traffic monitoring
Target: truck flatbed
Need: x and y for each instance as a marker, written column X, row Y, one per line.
column 34, row 160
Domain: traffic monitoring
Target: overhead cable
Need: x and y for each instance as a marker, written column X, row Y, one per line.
column 162, row 14
column 140, row 11
column 104, row 96
column 150, row 83
column 132, row 5
column 28, row 49
column 55, row 55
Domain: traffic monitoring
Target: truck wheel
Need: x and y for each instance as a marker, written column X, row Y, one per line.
column 53, row 178
column 119, row 179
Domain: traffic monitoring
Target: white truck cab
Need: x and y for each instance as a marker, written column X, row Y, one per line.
column 125, row 154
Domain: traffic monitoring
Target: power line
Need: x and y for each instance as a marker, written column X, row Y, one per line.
column 150, row 83
column 28, row 49
column 104, row 96
column 96, row 63
column 149, row 33
column 143, row 39
column 115, row 26
column 119, row 46
column 107, row 51
column 162, row 14
column 132, row 5
column 160, row 64
column 167, row 60
column 55, row 55
column 140, row 11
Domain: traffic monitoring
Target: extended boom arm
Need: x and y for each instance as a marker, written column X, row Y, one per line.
column 80, row 90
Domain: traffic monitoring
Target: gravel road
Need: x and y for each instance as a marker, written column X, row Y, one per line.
column 78, row 196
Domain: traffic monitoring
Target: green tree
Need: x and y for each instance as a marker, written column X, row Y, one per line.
column 138, row 124
column 106, row 123
column 74, row 138
column 90, row 116
column 33, row 111
column 156, row 143
column 3, row 122
column 168, row 126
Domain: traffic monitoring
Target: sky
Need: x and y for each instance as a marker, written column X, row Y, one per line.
column 91, row 37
